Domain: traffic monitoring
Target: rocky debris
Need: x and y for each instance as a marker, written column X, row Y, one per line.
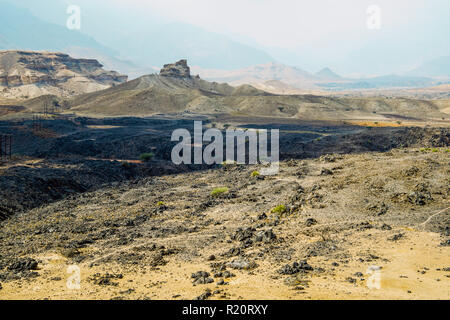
column 295, row 268
column 249, row 235
column 329, row 158
column 212, row 258
column 262, row 216
column 119, row 212
column 70, row 252
column 412, row 171
column 242, row 264
column 296, row 280
column 320, row 248
column 24, row 264
column 265, row 236
column 233, row 252
column 218, row 266
column 419, row 198
column 445, row 243
column 224, row 274
column 201, row 277
column 351, row 280
column 396, row 237
column 179, row 69
column 158, row 260
column 379, row 210
column 221, row 282
column 127, row 292
column 243, row 234
column 106, row 279
column 310, row 222
column 326, row 172
column 205, row 295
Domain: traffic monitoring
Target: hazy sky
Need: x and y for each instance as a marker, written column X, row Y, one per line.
column 318, row 32
column 309, row 34
column 290, row 23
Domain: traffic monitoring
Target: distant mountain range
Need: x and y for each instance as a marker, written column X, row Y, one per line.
column 260, row 73
column 148, row 46
column 327, row 74
column 20, row 30
column 143, row 48
column 175, row 91
column 436, row 68
column 279, row 78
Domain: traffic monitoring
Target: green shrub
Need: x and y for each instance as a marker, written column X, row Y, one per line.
column 146, row 157
column 219, row 191
column 435, row 150
column 255, row 173
column 160, row 203
column 279, row 209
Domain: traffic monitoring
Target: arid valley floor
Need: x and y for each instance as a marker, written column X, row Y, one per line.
column 93, row 207
column 340, row 208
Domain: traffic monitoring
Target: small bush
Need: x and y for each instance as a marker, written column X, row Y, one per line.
column 146, row 157
column 160, row 203
column 435, row 150
column 279, row 209
column 219, row 191
column 255, row 174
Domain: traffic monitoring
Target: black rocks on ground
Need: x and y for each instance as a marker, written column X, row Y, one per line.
column 310, row 222
column 224, row 274
column 201, row 277
column 396, row 237
column 350, row 280
column 295, row 268
column 205, row 295
column 106, row 279
column 24, row 264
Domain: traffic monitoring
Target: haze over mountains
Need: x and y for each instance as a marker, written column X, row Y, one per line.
column 153, row 37
column 175, row 91
column 150, row 41
column 149, row 46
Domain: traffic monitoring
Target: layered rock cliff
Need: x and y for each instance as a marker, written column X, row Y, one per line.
column 57, row 72
column 178, row 69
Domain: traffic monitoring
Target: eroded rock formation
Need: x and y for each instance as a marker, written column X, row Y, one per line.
column 179, row 69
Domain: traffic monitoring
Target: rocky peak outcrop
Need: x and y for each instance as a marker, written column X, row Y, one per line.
column 179, row 69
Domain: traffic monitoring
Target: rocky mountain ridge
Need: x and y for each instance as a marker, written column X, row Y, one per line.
column 48, row 71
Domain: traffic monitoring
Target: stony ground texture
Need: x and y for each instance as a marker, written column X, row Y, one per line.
column 322, row 228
